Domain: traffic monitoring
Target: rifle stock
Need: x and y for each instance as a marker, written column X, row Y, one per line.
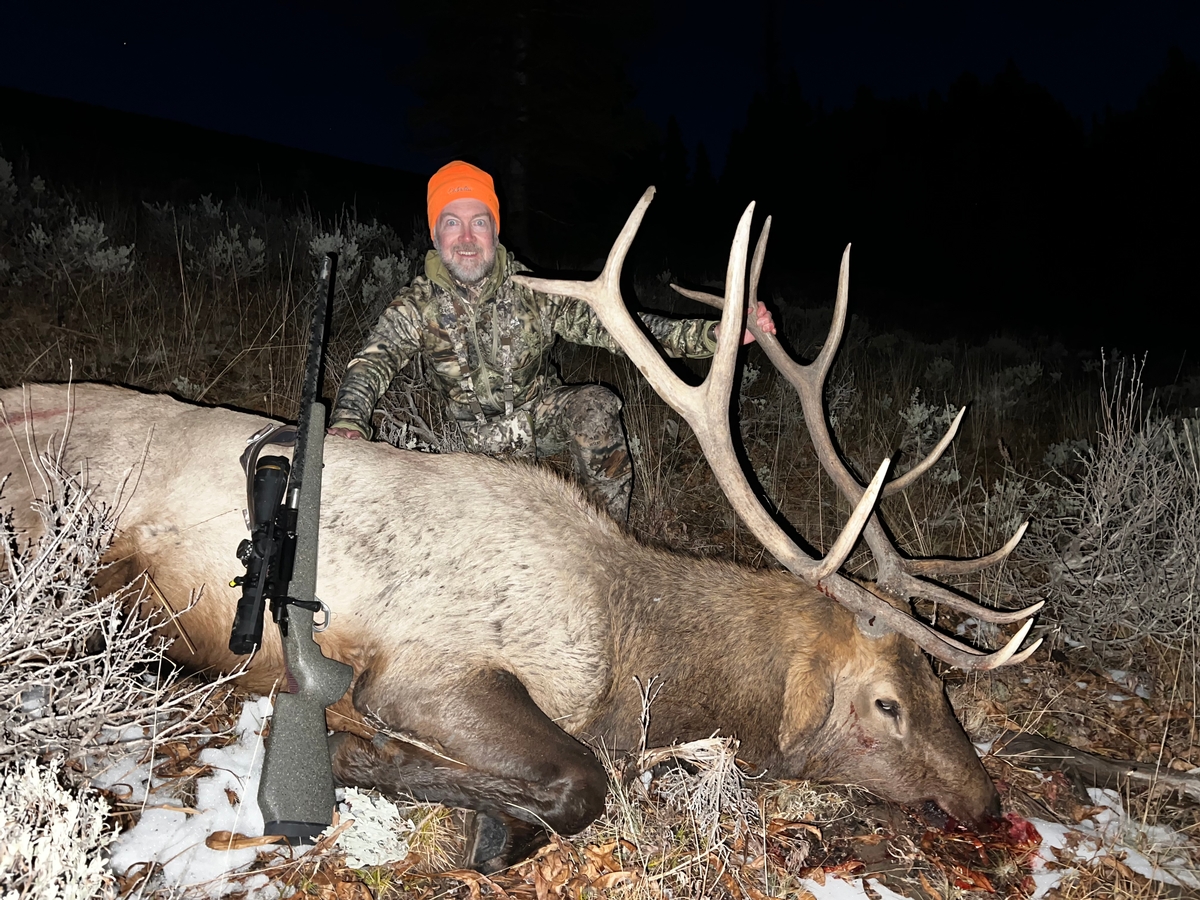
column 296, row 791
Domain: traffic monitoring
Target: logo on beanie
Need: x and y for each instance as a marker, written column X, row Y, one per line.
column 459, row 190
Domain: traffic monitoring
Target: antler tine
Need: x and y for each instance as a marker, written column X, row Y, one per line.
column 845, row 542
column 808, row 380
column 858, row 599
column 901, row 482
column 934, row 566
column 907, row 585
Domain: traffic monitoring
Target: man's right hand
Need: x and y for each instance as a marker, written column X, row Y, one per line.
column 345, row 432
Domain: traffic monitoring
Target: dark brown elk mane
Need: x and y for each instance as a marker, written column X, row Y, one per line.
column 498, row 624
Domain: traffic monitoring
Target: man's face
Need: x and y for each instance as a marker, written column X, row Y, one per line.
column 465, row 238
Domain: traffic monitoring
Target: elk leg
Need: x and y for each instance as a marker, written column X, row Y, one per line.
column 499, row 754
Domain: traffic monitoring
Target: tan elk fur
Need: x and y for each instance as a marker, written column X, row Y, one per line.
column 457, row 582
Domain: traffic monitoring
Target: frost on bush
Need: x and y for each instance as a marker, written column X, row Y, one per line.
column 78, row 671
column 77, row 245
column 224, row 253
column 1122, row 543
column 79, row 679
column 54, row 840
column 924, row 425
column 388, row 275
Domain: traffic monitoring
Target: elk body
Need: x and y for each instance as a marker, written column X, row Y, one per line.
column 501, row 622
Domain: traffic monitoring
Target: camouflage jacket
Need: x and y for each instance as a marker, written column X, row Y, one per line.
column 444, row 321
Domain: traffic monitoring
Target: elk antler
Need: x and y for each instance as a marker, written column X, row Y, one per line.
column 897, row 574
column 706, row 409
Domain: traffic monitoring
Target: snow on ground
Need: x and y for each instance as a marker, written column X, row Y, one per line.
column 836, row 889
column 227, row 800
column 174, row 837
column 1108, row 833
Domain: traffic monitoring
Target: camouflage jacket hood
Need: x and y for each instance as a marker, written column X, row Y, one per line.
column 460, row 333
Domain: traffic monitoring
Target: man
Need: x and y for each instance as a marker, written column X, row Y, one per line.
column 485, row 342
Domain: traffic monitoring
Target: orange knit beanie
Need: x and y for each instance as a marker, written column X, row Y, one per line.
column 461, row 181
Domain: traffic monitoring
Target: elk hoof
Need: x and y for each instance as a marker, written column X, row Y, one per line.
column 497, row 841
column 487, row 839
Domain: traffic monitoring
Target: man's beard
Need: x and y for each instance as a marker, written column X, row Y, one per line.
column 469, row 271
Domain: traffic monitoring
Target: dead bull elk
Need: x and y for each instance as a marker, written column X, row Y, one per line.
column 497, row 623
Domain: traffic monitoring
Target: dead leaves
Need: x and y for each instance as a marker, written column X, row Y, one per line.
column 229, row 840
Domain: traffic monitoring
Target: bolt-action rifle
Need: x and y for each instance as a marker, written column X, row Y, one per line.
column 283, row 515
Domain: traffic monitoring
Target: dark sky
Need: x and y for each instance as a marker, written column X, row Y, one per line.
column 308, row 78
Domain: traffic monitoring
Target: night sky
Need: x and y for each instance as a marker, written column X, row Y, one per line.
column 265, row 68
column 986, row 207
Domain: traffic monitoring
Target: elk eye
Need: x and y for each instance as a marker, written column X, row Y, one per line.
column 889, row 708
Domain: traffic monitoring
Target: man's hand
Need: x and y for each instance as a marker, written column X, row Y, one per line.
column 345, row 432
column 764, row 320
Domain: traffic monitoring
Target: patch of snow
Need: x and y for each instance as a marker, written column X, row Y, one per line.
column 837, row 889
column 1110, row 832
column 173, row 838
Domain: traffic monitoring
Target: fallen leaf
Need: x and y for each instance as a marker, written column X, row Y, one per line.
column 612, row 879
column 228, row 840
column 970, row 880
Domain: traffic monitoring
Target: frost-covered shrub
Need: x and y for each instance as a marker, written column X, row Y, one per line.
column 924, row 425
column 1121, row 541
column 75, row 246
column 78, row 671
column 224, row 252
column 53, row 839
column 388, row 275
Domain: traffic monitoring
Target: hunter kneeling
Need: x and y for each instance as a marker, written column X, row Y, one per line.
column 485, row 343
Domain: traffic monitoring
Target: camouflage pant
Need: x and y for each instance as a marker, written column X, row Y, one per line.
column 585, row 420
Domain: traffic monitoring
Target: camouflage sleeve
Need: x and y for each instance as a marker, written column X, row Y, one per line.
column 388, row 348
column 687, row 338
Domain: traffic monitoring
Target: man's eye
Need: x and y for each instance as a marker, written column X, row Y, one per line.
column 481, row 223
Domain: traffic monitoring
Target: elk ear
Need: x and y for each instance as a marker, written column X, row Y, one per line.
column 807, row 701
